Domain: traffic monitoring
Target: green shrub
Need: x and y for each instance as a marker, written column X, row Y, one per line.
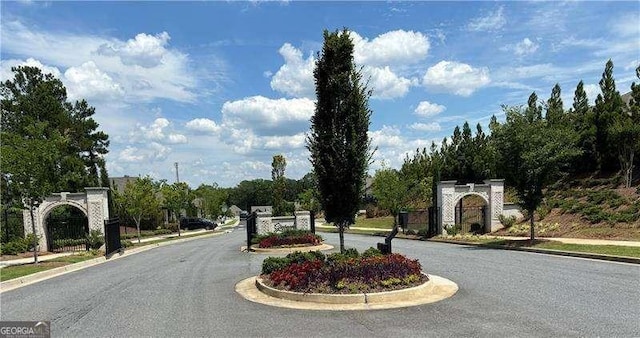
column 351, row 253
column 507, row 222
column 161, row 232
column 126, row 243
column 453, row 229
column 271, row 264
column 371, row 252
column 14, row 247
column 29, row 239
column 95, row 239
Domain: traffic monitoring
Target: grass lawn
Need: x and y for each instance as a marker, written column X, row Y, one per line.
column 378, row 223
column 614, row 250
column 15, row 271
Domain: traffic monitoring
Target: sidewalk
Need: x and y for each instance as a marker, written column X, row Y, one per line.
column 557, row 239
column 48, row 257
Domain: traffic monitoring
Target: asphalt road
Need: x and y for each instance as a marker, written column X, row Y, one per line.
column 187, row 290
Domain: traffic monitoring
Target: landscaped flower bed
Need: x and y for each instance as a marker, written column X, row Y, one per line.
column 288, row 238
column 342, row 273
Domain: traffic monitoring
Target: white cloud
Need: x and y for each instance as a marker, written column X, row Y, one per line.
column 391, row 48
column 144, row 50
column 203, row 125
column 522, row 48
column 89, row 82
column 592, row 91
column 6, row 65
column 427, row 109
column 144, row 68
column 491, row 22
column 156, row 132
column 457, row 78
column 385, row 83
column 284, row 142
column 626, row 25
column 295, row 77
column 131, row 154
column 433, row 126
column 269, row 116
column 177, row 139
column 387, row 136
column 632, row 65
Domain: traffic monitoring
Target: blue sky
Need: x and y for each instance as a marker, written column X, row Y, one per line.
column 221, row 87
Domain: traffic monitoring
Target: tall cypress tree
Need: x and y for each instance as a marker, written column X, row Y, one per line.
column 534, row 110
column 608, row 106
column 338, row 141
column 581, row 116
column 555, row 109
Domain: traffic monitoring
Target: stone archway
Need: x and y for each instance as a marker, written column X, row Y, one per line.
column 449, row 193
column 94, row 203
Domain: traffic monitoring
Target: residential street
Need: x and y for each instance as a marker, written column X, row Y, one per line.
column 187, row 289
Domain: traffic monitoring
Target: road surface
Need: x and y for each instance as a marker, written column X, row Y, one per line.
column 187, row 289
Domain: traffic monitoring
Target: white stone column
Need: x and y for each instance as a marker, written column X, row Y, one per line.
column 97, row 207
column 42, row 239
column 446, row 190
column 263, row 223
column 496, row 203
column 303, row 220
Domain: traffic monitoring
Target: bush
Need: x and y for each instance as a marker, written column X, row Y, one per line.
column 288, row 238
column 272, row 264
column 162, row 232
column 14, row 247
column 352, row 274
column 371, row 252
column 507, row 222
column 126, row 244
column 95, row 239
column 453, row 229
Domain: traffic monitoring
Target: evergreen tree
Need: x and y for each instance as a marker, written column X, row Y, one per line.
column 555, row 109
column 608, row 107
column 534, row 110
column 583, row 121
column 338, row 141
column 625, row 133
column 33, row 98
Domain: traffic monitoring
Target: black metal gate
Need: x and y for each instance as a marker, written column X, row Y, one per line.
column 471, row 219
column 434, row 216
column 112, row 236
column 251, row 229
column 67, row 233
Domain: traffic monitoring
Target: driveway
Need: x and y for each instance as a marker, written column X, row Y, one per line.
column 187, row 289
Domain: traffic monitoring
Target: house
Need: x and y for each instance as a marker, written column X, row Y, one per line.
column 234, row 210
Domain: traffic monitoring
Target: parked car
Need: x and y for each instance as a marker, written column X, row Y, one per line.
column 243, row 215
column 191, row 223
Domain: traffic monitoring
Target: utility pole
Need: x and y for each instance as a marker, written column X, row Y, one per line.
column 177, row 175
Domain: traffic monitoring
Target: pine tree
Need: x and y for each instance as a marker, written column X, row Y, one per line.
column 608, row 107
column 338, row 141
column 582, row 118
column 555, row 109
column 534, row 110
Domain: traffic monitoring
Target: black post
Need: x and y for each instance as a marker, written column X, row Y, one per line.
column 312, row 216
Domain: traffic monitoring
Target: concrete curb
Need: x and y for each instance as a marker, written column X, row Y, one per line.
column 255, row 249
column 611, row 258
column 44, row 275
column 435, row 290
